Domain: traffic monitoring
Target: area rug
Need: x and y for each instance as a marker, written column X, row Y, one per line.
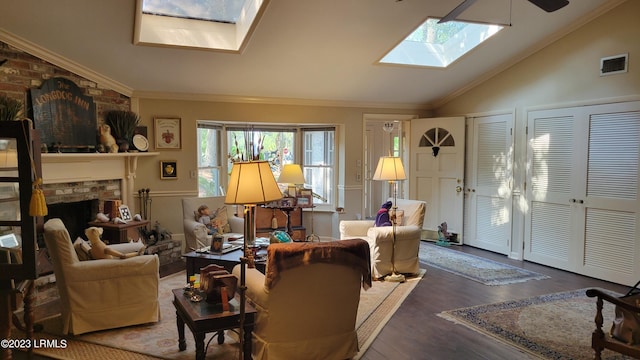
column 160, row 340
column 473, row 267
column 553, row 326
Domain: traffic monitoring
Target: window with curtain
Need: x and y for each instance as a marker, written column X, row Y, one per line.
column 219, row 145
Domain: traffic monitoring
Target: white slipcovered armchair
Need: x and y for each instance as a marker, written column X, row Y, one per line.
column 195, row 233
column 101, row 294
column 380, row 239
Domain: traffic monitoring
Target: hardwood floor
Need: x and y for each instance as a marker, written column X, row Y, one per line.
column 416, row 332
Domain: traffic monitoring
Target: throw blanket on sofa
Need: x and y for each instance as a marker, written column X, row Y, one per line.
column 354, row 252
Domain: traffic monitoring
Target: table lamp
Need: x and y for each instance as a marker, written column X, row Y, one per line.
column 390, row 169
column 291, row 174
column 251, row 183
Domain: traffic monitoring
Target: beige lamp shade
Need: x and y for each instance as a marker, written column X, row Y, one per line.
column 252, row 183
column 389, row 168
column 291, row 174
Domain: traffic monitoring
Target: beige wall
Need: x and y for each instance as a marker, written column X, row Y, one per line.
column 166, row 194
column 564, row 72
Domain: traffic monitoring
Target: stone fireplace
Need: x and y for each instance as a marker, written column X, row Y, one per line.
column 75, row 186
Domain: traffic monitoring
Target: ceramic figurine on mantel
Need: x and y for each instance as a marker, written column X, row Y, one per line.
column 123, row 125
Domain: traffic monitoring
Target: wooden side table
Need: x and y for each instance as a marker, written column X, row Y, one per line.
column 120, row 233
column 202, row 318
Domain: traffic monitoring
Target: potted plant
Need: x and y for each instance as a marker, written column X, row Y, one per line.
column 123, row 125
column 9, row 108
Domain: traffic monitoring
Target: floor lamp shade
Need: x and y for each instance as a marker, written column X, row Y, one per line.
column 389, row 168
column 252, row 183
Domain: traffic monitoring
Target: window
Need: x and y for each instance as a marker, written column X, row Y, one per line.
column 312, row 147
column 318, row 162
column 275, row 145
column 209, row 160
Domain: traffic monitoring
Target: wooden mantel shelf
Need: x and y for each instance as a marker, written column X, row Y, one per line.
column 66, row 157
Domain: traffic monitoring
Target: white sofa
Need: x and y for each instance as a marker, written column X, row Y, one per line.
column 307, row 302
column 101, row 294
column 380, row 239
column 195, row 233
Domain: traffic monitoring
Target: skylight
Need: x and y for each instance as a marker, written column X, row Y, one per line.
column 439, row 45
column 204, row 24
column 226, row 11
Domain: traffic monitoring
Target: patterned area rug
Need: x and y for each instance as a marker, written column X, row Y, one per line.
column 160, row 340
column 554, row 326
column 473, row 267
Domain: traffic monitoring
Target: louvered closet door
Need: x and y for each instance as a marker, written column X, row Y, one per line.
column 582, row 193
column 611, row 205
column 488, row 191
column 553, row 179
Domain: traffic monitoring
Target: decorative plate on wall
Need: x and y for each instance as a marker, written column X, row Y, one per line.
column 140, row 142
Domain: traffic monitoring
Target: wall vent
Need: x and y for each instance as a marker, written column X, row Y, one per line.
column 613, row 64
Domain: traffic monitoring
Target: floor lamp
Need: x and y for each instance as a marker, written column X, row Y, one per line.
column 390, row 169
column 251, row 183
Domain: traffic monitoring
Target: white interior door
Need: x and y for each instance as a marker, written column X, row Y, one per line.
column 583, row 198
column 437, row 170
column 488, row 185
column 554, row 177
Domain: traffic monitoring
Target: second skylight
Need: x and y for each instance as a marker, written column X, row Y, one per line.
column 439, row 45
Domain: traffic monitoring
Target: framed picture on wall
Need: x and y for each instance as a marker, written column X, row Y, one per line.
column 168, row 169
column 168, row 134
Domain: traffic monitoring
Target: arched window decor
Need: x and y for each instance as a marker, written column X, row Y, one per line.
column 435, row 138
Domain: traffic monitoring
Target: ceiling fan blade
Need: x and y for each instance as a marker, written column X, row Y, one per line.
column 550, row 5
column 457, row 11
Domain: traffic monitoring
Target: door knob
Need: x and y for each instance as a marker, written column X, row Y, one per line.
column 458, row 188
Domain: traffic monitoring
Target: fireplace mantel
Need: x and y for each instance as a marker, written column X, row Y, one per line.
column 75, row 167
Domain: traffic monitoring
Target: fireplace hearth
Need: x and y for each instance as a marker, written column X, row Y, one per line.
column 74, row 216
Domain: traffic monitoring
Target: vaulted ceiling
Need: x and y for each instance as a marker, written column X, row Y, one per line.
column 321, row 51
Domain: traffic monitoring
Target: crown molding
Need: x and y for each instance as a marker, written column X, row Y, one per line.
column 273, row 100
column 59, row 60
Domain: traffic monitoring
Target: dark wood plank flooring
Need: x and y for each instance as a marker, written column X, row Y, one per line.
column 416, row 332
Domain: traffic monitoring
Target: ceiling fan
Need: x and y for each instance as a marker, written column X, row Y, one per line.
column 546, row 5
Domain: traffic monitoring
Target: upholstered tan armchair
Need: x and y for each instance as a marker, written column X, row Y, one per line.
column 195, row 233
column 101, row 294
column 307, row 301
column 380, row 239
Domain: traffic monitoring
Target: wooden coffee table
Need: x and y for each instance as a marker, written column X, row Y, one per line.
column 197, row 260
column 202, row 318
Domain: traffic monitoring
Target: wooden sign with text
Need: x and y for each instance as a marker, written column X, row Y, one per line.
column 64, row 116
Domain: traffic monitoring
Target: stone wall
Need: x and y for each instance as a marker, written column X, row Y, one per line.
column 83, row 190
column 168, row 251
